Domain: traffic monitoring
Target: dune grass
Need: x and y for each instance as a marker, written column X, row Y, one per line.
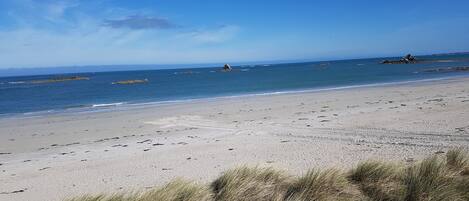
column 457, row 159
column 322, row 185
column 436, row 178
column 429, row 180
column 104, row 198
column 378, row 180
column 248, row 184
column 177, row 190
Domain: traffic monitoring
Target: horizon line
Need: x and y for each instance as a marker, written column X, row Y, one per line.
column 183, row 65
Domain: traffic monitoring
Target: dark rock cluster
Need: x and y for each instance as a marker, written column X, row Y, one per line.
column 408, row 59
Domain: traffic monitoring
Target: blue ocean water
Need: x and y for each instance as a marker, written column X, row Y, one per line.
column 20, row 96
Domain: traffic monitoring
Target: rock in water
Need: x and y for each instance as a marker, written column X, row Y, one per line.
column 59, row 79
column 227, row 67
column 131, row 81
column 408, row 59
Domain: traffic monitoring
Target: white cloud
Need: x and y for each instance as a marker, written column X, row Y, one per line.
column 77, row 37
column 55, row 11
column 91, row 44
column 218, row 35
column 31, row 11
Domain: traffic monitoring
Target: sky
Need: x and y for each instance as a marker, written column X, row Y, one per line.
column 45, row 33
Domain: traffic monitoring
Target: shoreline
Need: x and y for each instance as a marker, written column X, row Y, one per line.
column 124, row 106
column 131, row 150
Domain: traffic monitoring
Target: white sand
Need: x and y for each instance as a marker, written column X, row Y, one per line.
column 65, row 155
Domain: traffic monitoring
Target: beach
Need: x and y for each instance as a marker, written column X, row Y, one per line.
column 59, row 156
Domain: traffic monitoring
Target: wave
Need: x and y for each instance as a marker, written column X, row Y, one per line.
column 169, row 102
column 16, row 82
column 345, row 87
column 135, row 105
column 38, row 112
column 107, row 104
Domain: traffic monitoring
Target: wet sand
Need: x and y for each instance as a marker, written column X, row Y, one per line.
column 64, row 155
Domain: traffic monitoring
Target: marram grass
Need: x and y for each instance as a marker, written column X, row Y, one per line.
column 251, row 184
column 436, row 178
column 457, row 159
column 322, row 185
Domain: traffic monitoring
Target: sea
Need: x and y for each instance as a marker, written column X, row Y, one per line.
column 33, row 95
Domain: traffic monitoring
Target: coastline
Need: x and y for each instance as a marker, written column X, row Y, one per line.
column 56, row 156
column 122, row 106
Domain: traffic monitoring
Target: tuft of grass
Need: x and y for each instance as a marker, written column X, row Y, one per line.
column 465, row 171
column 378, row 180
column 457, row 159
column 429, row 180
column 251, row 184
column 432, row 179
column 462, row 185
column 178, row 190
column 320, row 185
column 373, row 171
column 104, row 198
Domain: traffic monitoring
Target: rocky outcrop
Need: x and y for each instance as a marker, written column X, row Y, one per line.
column 408, row 59
column 59, row 79
column 227, row 67
column 131, row 81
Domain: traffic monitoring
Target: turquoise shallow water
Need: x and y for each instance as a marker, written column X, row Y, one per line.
column 19, row 96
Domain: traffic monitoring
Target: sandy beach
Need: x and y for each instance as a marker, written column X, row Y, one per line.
column 64, row 155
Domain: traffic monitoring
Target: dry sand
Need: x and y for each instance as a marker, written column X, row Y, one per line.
column 58, row 156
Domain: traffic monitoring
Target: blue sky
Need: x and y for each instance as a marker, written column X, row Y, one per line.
column 39, row 33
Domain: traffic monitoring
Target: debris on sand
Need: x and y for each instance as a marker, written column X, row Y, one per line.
column 13, row 192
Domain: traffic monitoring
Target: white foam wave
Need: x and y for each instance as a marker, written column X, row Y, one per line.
column 17, row 82
column 108, row 104
column 145, row 104
column 125, row 105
